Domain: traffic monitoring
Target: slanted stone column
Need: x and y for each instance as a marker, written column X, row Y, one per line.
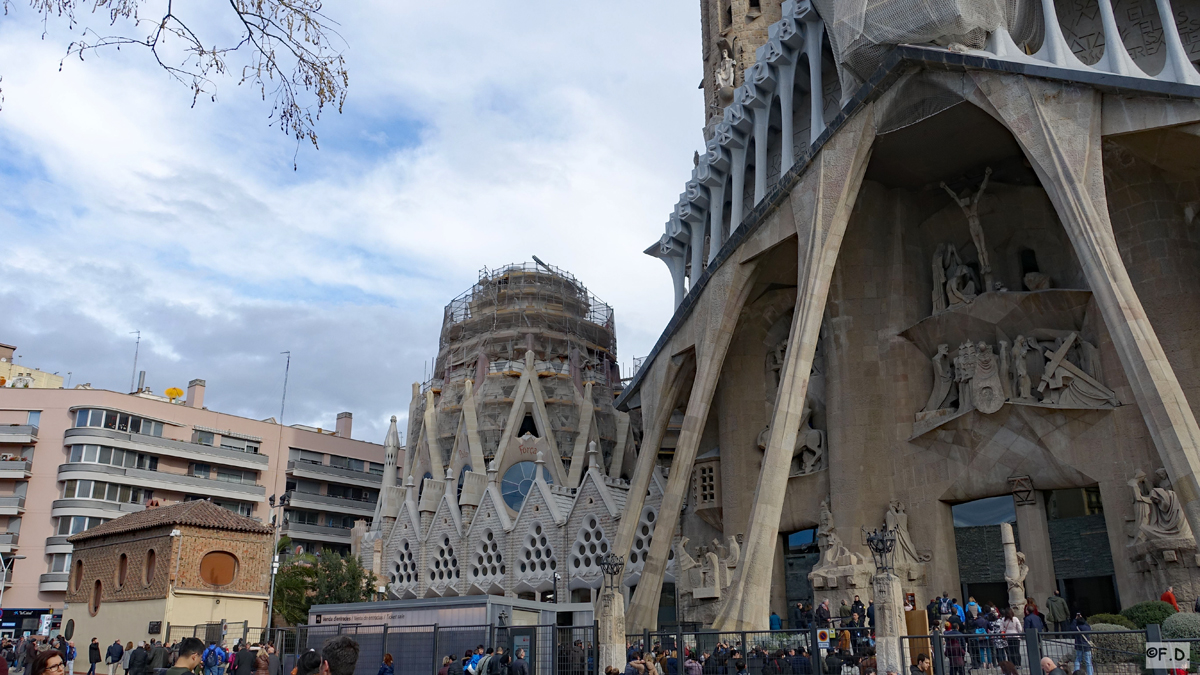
column 889, row 623
column 611, row 620
column 1058, row 127
column 821, row 204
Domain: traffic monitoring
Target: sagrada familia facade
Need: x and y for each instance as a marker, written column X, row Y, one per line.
column 935, row 256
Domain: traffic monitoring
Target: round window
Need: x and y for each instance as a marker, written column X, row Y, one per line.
column 517, row 482
column 148, row 572
column 218, row 568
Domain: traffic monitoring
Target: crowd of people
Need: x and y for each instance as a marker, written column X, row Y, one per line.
column 37, row 655
column 485, row 661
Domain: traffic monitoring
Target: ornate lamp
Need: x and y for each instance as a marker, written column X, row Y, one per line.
column 612, row 564
column 883, row 548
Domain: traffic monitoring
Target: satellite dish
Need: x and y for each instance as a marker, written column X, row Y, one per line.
column 173, row 393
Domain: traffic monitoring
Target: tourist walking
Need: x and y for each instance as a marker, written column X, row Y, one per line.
column 188, row 656
column 822, row 614
column 1057, row 612
column 1013, row 629
column 93, row 656
column 49, row 662
column 1083, row 643
column 157, row 661
column 126, row 655
column 139, row 660
column 69, row 654
column 213, row 658
column 520, row 667
column 262, row 662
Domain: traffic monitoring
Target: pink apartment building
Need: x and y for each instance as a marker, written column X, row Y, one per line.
column 71, row 459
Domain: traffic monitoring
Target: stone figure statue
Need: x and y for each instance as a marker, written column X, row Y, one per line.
column 1015, row 569
column 970, row 207
column 943, row 381
column 939, row 279
column 833, row 552
column 1022, row 383
column 987, row 393
column 1036, row 281
column 689, row 573
column 896, row 520
column 1005, row 378
column 725, row 73
column 1065, row 384
column 1159, row 511
column 964, row 371
column 960, row 283
column 1016, row 579
column 732, row 556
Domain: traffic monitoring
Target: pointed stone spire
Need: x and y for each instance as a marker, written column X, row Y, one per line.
column 391, row 451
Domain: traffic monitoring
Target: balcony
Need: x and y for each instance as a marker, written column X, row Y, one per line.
column 8, row 542
column 334, row 474
column 163, row 480
column 355, row 507
column 58, row 544
column 196, row 452
column 12, row 506
column 53, row 582
column 18, row 469
column 303, row 532
column 24, row 434
column 93, row 508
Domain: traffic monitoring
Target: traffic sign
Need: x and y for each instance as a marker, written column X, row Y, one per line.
column 823, row 638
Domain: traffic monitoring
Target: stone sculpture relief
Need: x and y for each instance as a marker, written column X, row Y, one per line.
column 979, row 379
column 1015, row 569
column 710, row 575
column 896, row 520
column 970, row 207
column 953, row 281
column 833, row 552
column 808, row 454
column 1159, row 514
column 725, row 75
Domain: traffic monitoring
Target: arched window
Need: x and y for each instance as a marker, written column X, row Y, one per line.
column 94, row 601
column 122, row 568
column 148, row 571
column 77, row 576
column 218, row 568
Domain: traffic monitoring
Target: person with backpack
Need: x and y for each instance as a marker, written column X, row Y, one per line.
column 212, row 658
column 69, row 655
column 692, row 667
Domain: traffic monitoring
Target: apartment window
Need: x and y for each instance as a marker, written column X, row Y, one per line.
column 108, row 419
column 375, row 468
column 303, row 517
column 236, row 476
column 306, row 456
column 204, row 438
column 307, row 487
column 349, row 492
column 348, row 463
column 77, row 524
column 60, row 562
column 109, row 492
column 200, row 470
column 344, row 522
column 102, row 454
column 35, row 418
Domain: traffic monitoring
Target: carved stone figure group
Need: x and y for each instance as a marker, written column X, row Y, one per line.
column 1159, row 513
column 977, row 378
column 707, row 577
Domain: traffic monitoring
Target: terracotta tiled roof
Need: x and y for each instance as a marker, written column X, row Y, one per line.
column 200, row 513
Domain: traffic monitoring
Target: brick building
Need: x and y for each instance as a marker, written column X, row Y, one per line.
column 184, row 564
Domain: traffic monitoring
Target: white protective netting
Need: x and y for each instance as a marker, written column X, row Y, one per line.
column 861, row 32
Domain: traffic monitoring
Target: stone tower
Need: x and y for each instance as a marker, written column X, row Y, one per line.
column 736, row 27
column 526, row 363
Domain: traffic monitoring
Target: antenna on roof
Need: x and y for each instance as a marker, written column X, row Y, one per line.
column 283, row 401
column 539, row 261
column 136, row 346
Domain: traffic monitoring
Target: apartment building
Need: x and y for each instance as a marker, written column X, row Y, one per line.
column 23, row 376
column 72, row 459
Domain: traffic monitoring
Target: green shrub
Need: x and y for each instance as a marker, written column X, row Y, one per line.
column 1116, row 647
column 1111, row 619
column 1146, row 613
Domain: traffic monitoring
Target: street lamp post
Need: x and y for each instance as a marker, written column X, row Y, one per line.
column 6, row 565
column 284, row 500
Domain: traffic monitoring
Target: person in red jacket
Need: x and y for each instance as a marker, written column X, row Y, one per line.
column 1169, row 598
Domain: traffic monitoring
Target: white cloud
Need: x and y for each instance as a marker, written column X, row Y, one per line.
column 475, row 134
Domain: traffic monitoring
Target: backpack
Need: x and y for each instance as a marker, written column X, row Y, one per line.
column 210, row 658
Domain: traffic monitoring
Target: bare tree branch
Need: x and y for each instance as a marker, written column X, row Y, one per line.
column 287, row 45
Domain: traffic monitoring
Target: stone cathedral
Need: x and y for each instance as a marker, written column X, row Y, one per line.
column 937, row 269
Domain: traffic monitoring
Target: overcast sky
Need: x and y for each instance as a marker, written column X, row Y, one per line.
column 474, row 134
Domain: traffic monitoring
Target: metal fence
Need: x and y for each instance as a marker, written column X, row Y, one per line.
column 418, row 650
